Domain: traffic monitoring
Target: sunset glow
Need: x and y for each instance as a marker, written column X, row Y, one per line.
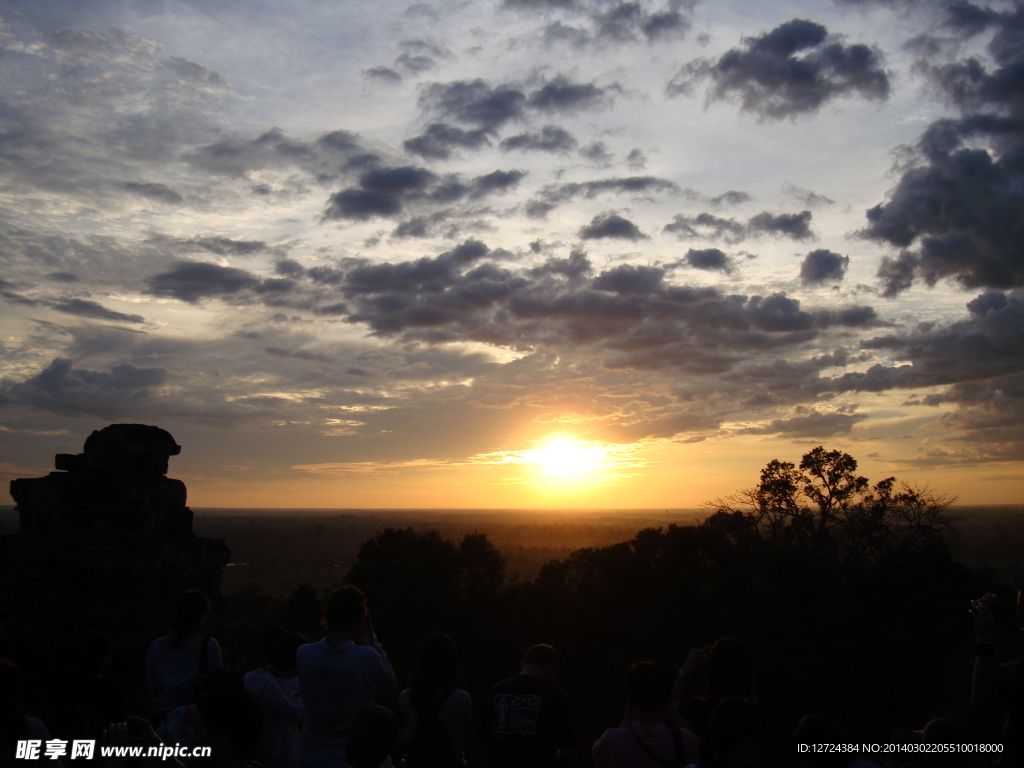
column 524, row 253
column 567, row 460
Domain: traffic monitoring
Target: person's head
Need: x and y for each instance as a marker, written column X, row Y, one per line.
column 439, row 665
column 371, row 736
column 230, row 722
column 540, row 660
column 648, row 686
column 730, row 670
column 191, row 610
column 281, row 653
column 345, row 608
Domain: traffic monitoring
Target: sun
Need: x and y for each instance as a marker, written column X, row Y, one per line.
column 567, row 459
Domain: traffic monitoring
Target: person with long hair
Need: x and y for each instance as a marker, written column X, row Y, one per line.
column 177, row 663
column 647, row 737
column 436, row 710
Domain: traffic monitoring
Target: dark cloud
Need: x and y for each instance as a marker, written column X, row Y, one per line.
column 732, row 197
column 325, row 158
column 986, row 345
column 962, row 209
column 61, row 388
column 415, row 64
column 289, row 268
column 439, row 140
column 386, row 74
column 550, row 138
column 63, row 277
column 426, row 226
column 822, row 266
column 707, row 225
column 193, row 281
column 611, row 225
column 563, row 95
column 381, row 192
column 794, row 225
column 160, row 192
column 708, row 259
column 794, row 69
column 94, row 311
column 497, row 182
column 631, row 279
column 778, row 313
column 474, row 102
column 810, row 422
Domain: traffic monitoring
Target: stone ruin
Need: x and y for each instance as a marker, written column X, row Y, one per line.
column 105, row 543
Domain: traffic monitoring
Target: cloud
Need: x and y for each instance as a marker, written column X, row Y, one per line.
column 439, row 140
column 597, row 153
column 381, row 192
column 792, row 70
column 475, row 102
column 160, row 192
column 807, row 197
column 615, row 24
column 611, row 225
column 822, row 266
column 562, row 95
column 793, row 225
column 94, row 310
column 550, row 138
column 709, row 260
column 810, row 422
column 554, row 195
column 64, row 389
column 192, row 281
column 707, row 225
column 986, row 345
column 636, row 159
column 386, row 74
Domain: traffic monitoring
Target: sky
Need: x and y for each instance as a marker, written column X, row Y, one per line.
column 515, row 253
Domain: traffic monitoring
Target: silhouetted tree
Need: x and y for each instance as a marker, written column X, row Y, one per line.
column 825, row 506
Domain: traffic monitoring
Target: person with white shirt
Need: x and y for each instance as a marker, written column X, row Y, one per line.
column 337, row 675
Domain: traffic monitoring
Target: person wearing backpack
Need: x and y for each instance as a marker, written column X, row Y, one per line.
column 647, row 736
column 436, row 710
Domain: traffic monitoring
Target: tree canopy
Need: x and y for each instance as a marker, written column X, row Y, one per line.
column 824, row 506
